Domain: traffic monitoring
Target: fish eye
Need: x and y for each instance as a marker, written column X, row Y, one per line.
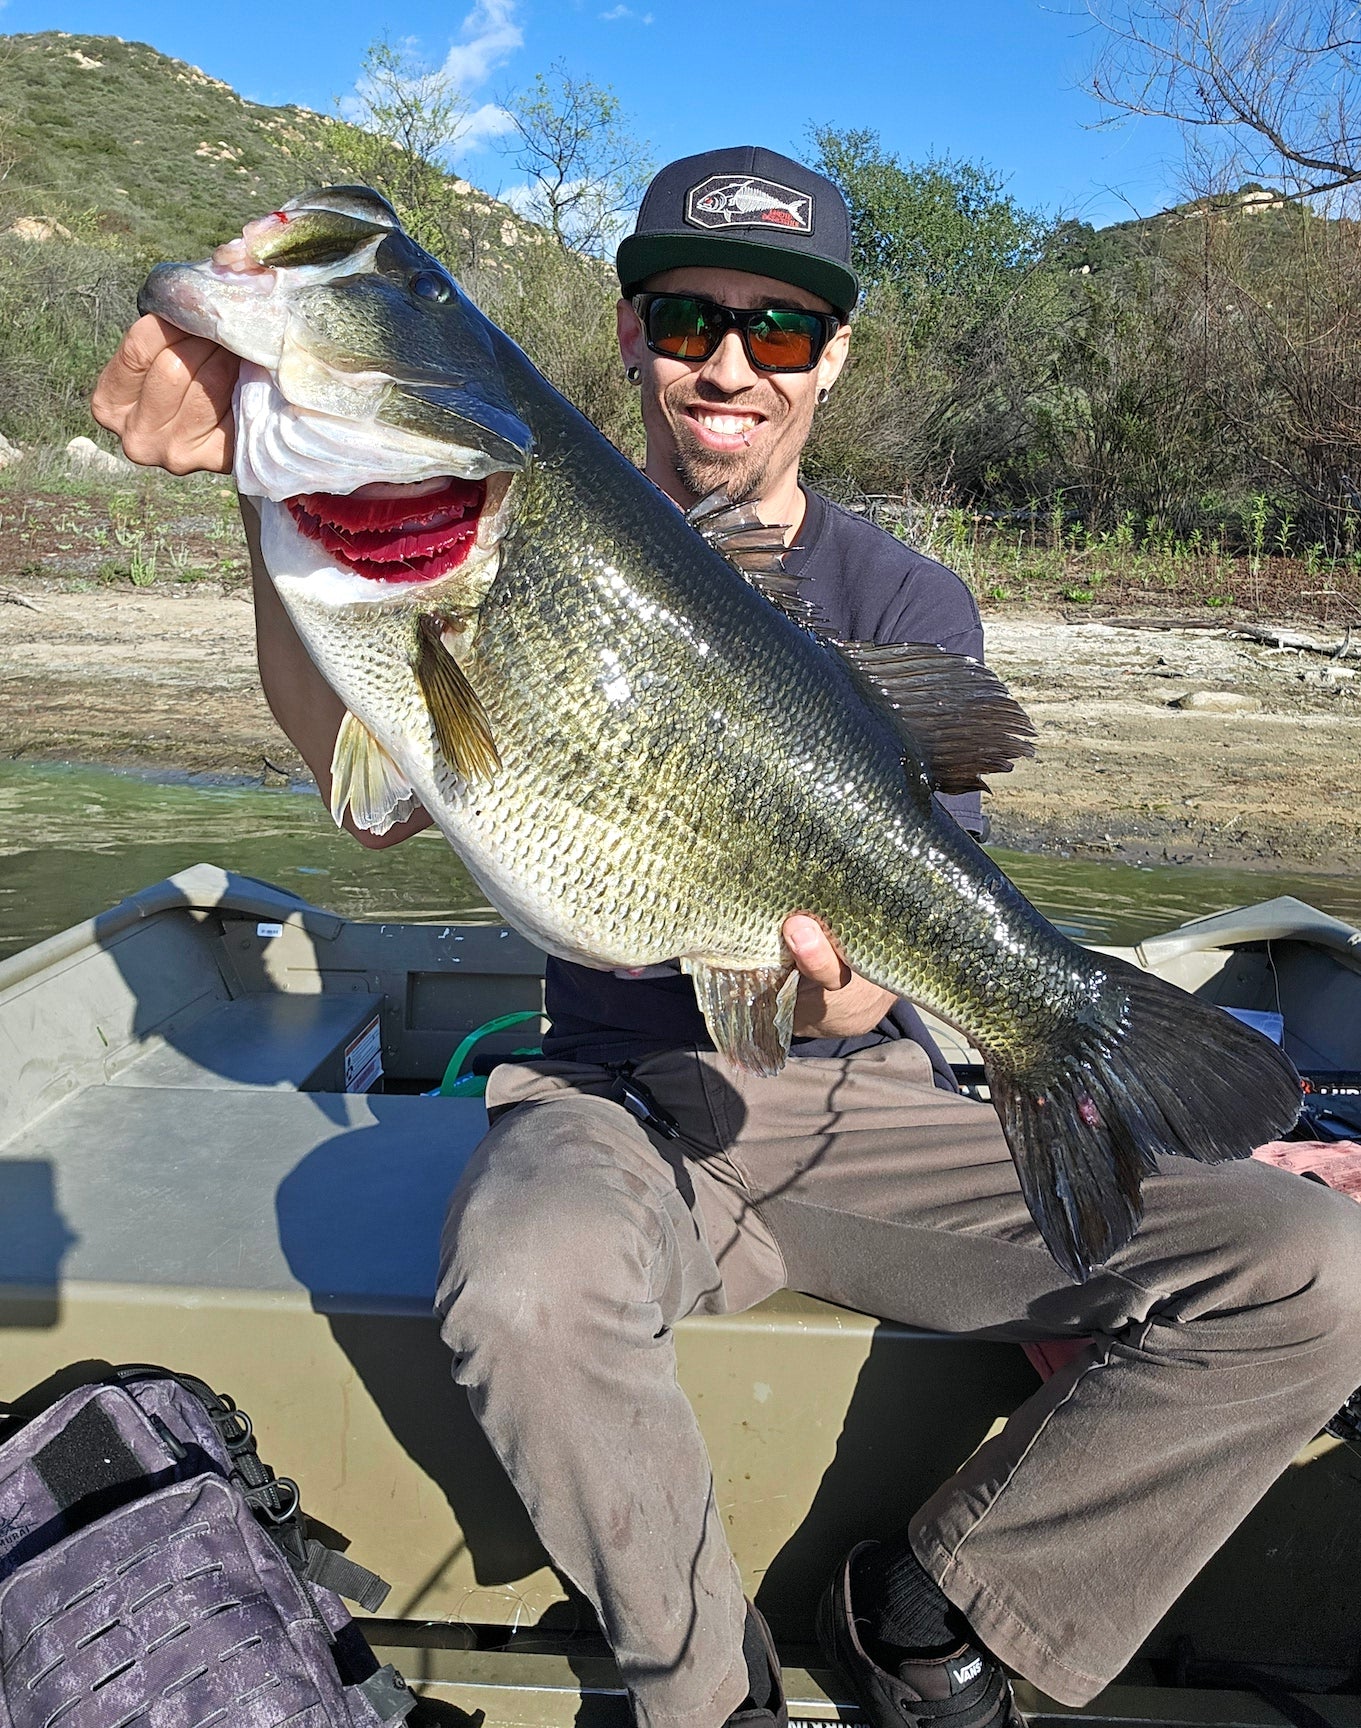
column 428, row 286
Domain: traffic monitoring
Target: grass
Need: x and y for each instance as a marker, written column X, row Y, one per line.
column 159, row 530
column 1252, row 566
column 149, row 530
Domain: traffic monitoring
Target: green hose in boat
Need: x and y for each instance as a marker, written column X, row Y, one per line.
column 458, row 1085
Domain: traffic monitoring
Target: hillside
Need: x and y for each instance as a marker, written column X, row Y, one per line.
column 1268, row 219
column 119, row 142
column 114, row 156
column 112, row 137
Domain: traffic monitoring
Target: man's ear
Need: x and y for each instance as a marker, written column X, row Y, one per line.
column 632, row 346
column 833, row 357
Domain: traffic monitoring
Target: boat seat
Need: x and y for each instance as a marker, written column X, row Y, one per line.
column 332, row 1199
column 268, row 1039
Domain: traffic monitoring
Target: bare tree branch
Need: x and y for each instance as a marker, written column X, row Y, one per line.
column 1280, row 80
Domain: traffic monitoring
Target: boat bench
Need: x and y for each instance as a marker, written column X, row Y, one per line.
column 298, row 1042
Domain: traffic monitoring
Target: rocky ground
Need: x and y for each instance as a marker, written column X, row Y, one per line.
column 1181, row 745
column 1154, row 744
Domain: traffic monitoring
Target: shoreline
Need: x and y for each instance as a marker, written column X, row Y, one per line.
column 1155, row 746
column 1173, row 846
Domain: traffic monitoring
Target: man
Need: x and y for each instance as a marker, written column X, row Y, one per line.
column 631, row 1178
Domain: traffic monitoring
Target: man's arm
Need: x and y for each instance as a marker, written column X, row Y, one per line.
column 299, row 698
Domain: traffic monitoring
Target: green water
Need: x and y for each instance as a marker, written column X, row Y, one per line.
column 74, row 841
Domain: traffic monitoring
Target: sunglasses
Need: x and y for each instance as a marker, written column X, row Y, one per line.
column 776, row 338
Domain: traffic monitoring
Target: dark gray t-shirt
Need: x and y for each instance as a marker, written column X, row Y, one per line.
column 870, row 588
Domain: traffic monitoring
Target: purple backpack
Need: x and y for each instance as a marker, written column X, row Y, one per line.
column 155, row 1573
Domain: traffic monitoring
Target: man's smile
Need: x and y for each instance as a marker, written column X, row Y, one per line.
column 722, row 429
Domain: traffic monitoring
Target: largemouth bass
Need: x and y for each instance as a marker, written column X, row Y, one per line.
column 643, row 752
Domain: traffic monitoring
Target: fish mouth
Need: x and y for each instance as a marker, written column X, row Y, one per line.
column 395, row 534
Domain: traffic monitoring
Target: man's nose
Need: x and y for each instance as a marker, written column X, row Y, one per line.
column 728, row 368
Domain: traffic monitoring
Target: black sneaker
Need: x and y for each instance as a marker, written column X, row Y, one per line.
column 965, row 1689
column 764, row 1705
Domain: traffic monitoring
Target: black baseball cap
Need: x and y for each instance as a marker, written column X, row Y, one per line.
column 745, row 209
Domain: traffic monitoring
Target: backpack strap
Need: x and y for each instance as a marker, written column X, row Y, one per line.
column 388, row 1694
column 333, row 1570
column 275, row 1500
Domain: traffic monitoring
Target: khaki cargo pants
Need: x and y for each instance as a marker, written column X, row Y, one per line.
column 1226, row 1334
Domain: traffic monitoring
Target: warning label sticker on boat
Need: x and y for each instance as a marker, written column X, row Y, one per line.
column 364, row 1058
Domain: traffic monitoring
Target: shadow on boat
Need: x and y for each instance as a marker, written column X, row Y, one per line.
column 34, row 1240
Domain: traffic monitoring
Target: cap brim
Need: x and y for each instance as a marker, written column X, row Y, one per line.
column 644, row 255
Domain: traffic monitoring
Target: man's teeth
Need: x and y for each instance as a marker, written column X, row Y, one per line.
column 729, row 425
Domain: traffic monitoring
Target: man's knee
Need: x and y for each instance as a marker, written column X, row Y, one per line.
column 548, row 1239
column 1298, row 1248
column 1326, row 1244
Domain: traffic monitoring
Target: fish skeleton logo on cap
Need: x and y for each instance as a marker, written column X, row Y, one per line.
column 733, row 200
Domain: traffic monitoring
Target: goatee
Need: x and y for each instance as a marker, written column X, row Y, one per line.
column 702, row 472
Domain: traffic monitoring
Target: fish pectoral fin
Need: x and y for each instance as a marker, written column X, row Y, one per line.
column 956, row 714
column 749, row 1013
column 366, row 781
column 462, row 728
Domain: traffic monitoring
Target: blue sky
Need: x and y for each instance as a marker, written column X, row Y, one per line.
column 997, row 81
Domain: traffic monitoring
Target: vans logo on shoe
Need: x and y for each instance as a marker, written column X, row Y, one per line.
column 739, row 200
column 970, row 1671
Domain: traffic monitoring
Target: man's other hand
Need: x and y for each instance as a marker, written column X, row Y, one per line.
column 168, row 396
column 833, row 1001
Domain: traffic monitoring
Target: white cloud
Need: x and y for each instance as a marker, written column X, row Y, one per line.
column 521, row 199
column 482, row 125
column 489, row 35
column 617, row 14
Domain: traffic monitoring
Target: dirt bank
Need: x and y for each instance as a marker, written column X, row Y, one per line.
column 166, row 676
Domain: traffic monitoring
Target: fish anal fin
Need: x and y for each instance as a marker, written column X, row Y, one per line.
column 749, row 1012
column 1155, row 1073
column 956, row 714
column 462, row 729
column 366, row 781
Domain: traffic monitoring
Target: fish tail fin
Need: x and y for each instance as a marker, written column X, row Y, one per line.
column 1154, row 1072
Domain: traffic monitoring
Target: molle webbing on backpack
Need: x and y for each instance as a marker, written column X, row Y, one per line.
column 155, row 1573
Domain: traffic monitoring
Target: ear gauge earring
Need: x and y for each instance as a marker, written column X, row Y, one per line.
column 824, row 396
column 633, row 374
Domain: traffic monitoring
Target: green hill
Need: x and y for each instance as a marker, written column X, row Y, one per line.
column 118, row 141
column 122, row 144
column 114, row 156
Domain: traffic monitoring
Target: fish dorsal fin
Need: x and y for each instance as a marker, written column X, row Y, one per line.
column 461, row 726
column 366, row 781
column 956, row 714
column 737, row 531
column 749, row 1013
column 740, row 534
column 756, row 549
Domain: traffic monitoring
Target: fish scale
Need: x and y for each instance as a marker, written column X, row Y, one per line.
column 642, row 752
